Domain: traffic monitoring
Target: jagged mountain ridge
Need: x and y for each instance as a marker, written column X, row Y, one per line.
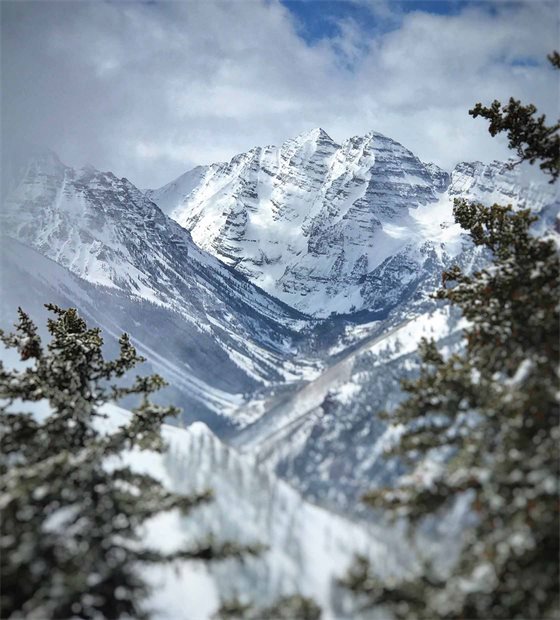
column 108, row 232
column 211, row 372
column 330, row 227
column 226, row 338
column 297, row 219
column 221, row 341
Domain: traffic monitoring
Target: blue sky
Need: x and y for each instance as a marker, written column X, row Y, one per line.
column 151, row 89
column 319, row 19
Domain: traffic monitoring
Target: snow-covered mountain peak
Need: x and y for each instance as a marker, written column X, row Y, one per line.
column 317, row 134
column 36, row 161
column 306, row 220
column 501, row 182
column 375, row 140
column 372, row 137
column 312, row 147
column 313, row 222
column 106, row 231
column 89, row 221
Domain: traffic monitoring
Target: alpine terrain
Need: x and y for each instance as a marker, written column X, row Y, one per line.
column 282, row 295
column 330, row 227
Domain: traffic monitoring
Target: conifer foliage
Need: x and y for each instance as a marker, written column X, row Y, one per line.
column 529, row 136
column 71, row 509
column 294, row 607
column 493, row 407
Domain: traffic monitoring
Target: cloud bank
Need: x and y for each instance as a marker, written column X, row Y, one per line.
column 149, row 90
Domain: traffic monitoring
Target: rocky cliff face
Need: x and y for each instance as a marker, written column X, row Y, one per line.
column 306, row 221
column 330, row 227
column 500, row 182
column 214, row 335
column 108, row 232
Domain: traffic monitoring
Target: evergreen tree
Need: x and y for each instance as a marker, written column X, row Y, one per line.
column 494, row 407
column 530, row 137
column 294, row 607
column 71, row 510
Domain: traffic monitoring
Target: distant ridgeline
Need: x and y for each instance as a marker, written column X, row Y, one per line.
column 281, row 294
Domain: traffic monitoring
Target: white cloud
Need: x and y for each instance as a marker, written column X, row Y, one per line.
column 149, row 90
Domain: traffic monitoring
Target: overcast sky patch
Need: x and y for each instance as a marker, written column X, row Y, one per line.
column 149, row 90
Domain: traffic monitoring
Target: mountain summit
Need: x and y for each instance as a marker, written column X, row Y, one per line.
column 318, row 224
column 215, row 332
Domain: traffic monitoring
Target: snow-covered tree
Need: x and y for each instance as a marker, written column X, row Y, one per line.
column 71, row 510
column 493, row 407
column 529, row 135
column 294, row 607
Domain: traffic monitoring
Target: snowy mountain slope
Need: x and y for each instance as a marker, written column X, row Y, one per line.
column 307, row 547
column 302, row 394
column 106, row 231
column 500, row 182
column 326, row 437
column 212, row 370
column 335, row 228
